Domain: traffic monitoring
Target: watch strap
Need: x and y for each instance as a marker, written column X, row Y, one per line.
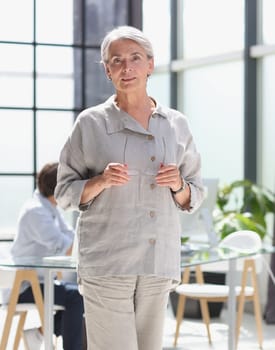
column 182, row 188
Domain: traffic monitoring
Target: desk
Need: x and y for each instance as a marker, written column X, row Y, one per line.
column 202, row 255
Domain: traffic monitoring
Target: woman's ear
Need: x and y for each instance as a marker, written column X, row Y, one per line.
column 107, row 72
column 151, row 66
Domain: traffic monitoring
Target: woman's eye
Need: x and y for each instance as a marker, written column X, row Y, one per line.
column 116, row 60
column 136, row 58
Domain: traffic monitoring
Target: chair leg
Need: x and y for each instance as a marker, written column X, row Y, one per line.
column 179, row 317
column 256, row 304
column 203, row 303
column 181, row 305
column 21, row 275
column 19, row 330
column 241, row 302
column 37, row 294
column 206, row 317
column 10, row 312
column 249, row 266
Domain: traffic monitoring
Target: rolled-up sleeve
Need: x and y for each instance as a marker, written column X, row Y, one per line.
column 188, row 161
column 71, row 172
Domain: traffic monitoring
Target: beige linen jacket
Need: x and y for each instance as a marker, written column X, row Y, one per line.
column 132, row 229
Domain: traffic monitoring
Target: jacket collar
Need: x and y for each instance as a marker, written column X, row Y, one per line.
column 118, row 120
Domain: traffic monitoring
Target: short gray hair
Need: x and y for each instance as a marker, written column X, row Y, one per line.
column 125, row 32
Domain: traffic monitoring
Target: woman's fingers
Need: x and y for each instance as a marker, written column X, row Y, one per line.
column 168, row 175
column 115, row 174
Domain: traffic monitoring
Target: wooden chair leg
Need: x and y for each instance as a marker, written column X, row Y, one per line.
column 11, row 309
column 37, row 294
column 241, row 302
column 21, row 275
column 179, row 317
column 181, row 306
column 206, row 317
column 256, row 304
column 203, row 304
column 20, row 327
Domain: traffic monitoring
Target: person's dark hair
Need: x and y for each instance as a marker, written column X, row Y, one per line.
column 46, row 179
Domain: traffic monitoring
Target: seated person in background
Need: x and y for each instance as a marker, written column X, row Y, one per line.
column 41, row 232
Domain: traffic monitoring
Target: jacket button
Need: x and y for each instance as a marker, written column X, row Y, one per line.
column 152, row 214
column 153, row 158
column 150, row 137
column 152, row 241
column 152, row 186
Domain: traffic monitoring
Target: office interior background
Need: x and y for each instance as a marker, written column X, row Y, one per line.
column 215, row 62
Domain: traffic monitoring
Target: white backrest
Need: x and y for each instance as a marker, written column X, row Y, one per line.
column 244, row 241
column 198, row 226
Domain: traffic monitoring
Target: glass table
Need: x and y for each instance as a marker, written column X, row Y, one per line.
column 50, row 265
column 201, row 254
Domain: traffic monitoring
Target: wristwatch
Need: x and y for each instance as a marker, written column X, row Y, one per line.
column 182, row 188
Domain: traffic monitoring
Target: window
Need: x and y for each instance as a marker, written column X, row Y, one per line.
column 49, row 68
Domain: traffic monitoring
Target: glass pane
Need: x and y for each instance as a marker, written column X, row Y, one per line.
column 267, row 165
column 15, row 190
column 213, row 104
column 10, row 61
column 212, row 27
column 16, row 75
column 159, row 88
column 16, row 91
column 54, row 21
column 78, row 86
column 268, row 21
column 159, row 35
column 16, row 20
column 53, row 129
column 101, row 16
column 54, row 92
column 55, row 60
column 16, row 141
column 95, row 76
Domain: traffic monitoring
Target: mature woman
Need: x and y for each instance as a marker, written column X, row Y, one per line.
column 129, row 165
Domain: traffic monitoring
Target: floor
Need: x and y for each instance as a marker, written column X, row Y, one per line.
column 192, row 333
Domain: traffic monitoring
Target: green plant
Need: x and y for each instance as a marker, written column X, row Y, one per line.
column 243, row 205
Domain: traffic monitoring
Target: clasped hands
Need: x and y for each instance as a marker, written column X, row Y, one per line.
column 116, row 174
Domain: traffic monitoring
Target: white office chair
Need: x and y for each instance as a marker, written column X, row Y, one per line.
column 240, row 241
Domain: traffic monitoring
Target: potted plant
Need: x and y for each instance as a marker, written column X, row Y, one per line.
column 243, row 205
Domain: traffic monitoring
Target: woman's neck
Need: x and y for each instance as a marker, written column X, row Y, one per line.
column 138, row 108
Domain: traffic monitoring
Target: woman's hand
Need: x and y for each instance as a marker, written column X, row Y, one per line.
column 115, row 174
column 169, row 176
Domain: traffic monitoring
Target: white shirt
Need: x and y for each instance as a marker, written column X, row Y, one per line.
column 41, row 231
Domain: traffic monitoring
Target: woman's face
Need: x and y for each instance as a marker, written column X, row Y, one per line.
column 128, row 65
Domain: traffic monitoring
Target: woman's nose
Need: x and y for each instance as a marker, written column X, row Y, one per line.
column 127, row 66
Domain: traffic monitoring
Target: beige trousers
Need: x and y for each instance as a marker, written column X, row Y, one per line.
column 125, row 312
